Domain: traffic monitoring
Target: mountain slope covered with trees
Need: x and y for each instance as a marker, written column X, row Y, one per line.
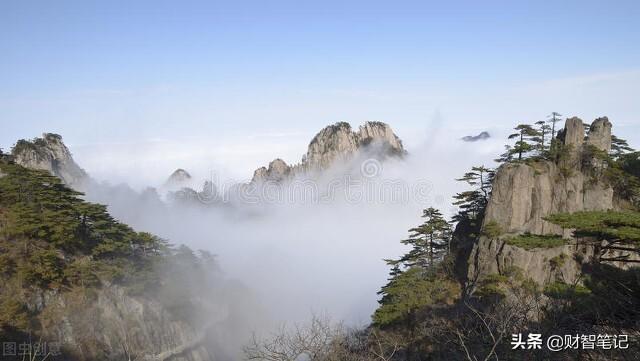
column 75, row 277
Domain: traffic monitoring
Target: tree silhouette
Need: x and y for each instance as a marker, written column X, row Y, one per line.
column 554, row 117
column 544, row 129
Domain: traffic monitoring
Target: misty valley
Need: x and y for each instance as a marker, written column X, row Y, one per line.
column 291, row 180
column 360, row 250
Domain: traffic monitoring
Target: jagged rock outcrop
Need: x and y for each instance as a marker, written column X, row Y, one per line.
column 573, row 133
column 340, row 142
column 600, row 134
column 49, row 153
column 337, row 142
column 524, row 193
column 278, row 170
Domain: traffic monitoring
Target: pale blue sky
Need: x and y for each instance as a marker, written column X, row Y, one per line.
column 114, row 72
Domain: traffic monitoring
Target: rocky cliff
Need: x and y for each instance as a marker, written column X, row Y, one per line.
column 524, row 193
column 337, row 142
column 277, row 171
column 49, row 153
column 110, row 324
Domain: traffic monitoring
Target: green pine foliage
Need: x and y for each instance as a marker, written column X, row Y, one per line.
column 419, row 278
column 553, row 119
column 530, row 241
column 473, row 202
column 429, row 241
column 527, row 140
column 560, row 290
column 623, row 173
column 492, row 230
column 606, row 231
column 619, row 147
column 54, row 243
column 602, row 225
column 47, row 227
column 411, row 291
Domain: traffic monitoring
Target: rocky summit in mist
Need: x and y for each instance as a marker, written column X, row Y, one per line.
column 545, row 243
column 475, row 138
column 179, row 176
column 337, row 142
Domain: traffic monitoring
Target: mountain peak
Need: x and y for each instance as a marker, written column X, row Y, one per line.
column 51, row 154
column 334, row 143
column 339, row 142
column 179, row 175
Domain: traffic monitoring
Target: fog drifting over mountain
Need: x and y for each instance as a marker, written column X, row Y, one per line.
column 319, row 251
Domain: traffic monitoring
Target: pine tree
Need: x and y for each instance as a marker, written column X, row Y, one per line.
column 554, row 143
column 413, row 279
column 615, row 235
column 545, row 132
column 526, row 139
column 554, row 118
column 55, row 226
column 472, row 203
column 408, row 292
column 619, row 147
column 429, row 241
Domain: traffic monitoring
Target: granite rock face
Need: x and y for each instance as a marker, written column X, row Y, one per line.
column 340, row 142
column 337, row 142
column 117, row 326
column 524, row 193
column 277, row 171
column 494, row 256
column 600, row 134
column 49, row 153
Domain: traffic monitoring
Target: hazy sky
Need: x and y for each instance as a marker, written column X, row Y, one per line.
column 237, row 83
